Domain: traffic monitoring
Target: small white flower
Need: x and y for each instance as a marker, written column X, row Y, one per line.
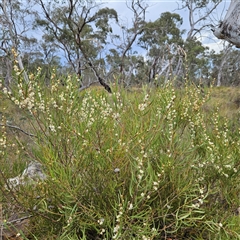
column 5, row 91
column 116, row 170
column 116, row 228
column 116, row 116
column 226, row 175
column 228, row 166
column 101, row 221
column 139, row 177
column 197, row 205
column 52, row 128
column 130, row 206
column 142, row 106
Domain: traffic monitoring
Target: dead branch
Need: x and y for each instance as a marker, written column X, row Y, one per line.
column 18, row 128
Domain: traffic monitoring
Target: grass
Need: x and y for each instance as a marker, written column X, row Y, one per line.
column 149, row 164
column 227, row 99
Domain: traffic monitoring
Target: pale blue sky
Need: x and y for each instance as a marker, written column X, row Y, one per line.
column 156, row 7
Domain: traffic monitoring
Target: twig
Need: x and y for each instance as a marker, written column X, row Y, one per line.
column 18, row 128
column 16, row 220
column 1, row 222
column 87, row 86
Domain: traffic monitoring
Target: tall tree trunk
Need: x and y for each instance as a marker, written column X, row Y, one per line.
column 220, row 70
column 8, row 76
column 14, row 38
column 229, row 28
column 222, row 64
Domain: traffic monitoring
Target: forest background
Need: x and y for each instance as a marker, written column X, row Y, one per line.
column 97, row 43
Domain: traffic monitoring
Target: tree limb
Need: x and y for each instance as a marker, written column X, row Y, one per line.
column 17, row 128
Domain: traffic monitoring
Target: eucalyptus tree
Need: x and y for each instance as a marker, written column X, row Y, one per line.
column 228, row 30
column 200, row 18
column 199, row 15
column 232, row 69
column 197, row 60
column 229, row 27
column 162, row 40
column 225, row 67
column 122, row 57
column 40, row 54
column 15, row 23
column 79, row 29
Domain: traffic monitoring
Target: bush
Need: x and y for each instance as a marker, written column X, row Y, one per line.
column 150, row 164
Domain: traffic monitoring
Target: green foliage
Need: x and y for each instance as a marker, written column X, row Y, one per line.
column 165, row 30
column 201, row 3
column 196, row 58
column 147, row 164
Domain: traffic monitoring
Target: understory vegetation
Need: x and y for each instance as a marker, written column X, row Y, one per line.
column 145, row 163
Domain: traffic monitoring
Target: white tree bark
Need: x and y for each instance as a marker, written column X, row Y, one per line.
column 221, row 67
column 197, row 14
column 14, row 37
column 229, row 28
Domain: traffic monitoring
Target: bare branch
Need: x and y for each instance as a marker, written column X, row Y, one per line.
column 87, row 86
column 203, row 13
column 18, row 128
column 8, row 16
column 229, row 28
column 16, row 220
column 139, row 18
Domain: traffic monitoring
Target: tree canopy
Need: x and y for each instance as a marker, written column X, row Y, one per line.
column 88, row 39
